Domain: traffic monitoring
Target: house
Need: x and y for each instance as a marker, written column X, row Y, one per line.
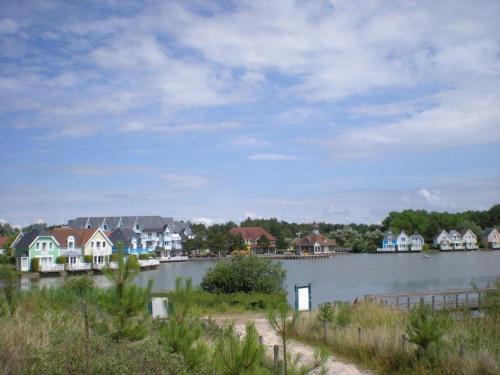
column 314, row 243
column 3, row 248
column 403, row 241
column 156, row 232
column 416, row 242
column 96, row 243
column 456, row 240
column 37, row 244
column 71, row 246
column 442, row 241
column 251, row 236
column 469, row 239
column 389, row 243
column 491, row 238
column 130, row 240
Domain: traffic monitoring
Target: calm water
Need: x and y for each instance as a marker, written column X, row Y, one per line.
column 349, row 276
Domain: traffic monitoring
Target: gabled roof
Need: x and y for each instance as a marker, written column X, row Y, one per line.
column 62, row 235
column 417, row 235
column 488, row 231
column 312, row 238
column 389, row 234
column 453, row 232
column 123, row 235
column 464, row 232
column 440, row 233
column 28, row 238
column 402, row 233
column 252, row 233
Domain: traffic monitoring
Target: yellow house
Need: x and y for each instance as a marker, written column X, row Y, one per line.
column 96, row 244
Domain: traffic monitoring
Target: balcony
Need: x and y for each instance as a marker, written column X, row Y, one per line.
column 51, row 267
column 102, row 266
column 78, row 267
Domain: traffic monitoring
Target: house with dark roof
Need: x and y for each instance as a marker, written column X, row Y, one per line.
column 252, row 235
column 314, row 243
column 37, row 244
column 129, row 240
column 491, row 238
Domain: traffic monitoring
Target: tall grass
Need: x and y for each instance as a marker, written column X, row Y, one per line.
column 374, row 338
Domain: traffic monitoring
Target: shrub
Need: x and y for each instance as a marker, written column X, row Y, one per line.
column 87, row 258
column 113, row 257
column 245, row 274
column 144, row 256
column 62, row 259
column 35, row 264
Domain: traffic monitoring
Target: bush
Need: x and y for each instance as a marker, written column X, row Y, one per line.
column 62, row 260
column 35, row 264
column 245, row 274
column 113, row 257
column 144, row 256
column 87, row 258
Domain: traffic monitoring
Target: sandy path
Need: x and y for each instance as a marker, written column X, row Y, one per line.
column 306, row 352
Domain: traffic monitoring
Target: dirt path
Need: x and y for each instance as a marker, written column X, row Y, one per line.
column 306, row 352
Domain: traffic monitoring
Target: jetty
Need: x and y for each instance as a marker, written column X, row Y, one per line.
column 439, row 300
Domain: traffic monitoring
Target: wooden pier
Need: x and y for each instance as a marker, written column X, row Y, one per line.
column 438, row 300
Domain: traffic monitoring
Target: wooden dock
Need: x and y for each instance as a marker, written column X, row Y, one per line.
column 438, row 300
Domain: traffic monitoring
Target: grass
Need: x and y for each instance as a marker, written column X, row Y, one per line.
column 471, row 345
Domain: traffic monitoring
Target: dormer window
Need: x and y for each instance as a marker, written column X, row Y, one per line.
column 71, row 242
column 105, row 227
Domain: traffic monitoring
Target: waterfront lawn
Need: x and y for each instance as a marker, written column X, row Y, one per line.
column 372, row 335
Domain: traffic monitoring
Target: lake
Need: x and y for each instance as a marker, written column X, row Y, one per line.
column 346, row 277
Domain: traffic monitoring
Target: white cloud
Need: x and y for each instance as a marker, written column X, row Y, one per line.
column 251, row 215
column 428, row 196
column 246, row 142
column 273, row 157
column 135, row 126
column 207, row 221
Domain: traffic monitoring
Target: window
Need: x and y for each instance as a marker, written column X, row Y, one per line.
column 50, row 245
column 38, row 245
column 104, row 244
column 44, row 245
column 71, row 242
column 92, row 244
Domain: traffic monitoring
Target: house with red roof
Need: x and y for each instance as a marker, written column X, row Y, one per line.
column 314, row 243
column 252, row 238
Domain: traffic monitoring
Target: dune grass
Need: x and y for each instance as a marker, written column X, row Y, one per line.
column 374, row 338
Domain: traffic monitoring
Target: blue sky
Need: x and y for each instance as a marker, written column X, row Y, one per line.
column 321, row 110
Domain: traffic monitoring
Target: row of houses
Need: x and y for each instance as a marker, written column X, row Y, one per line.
column 312, row 243
column 444, row 240
column 97, row 238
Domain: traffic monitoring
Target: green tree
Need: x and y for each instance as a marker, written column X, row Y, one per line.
column 235, row 242
column 283, row 321
column 282, row 243
column 233, row 355
column 245, row 274
column 127, row 303
column 263, row 243
column 423, row 328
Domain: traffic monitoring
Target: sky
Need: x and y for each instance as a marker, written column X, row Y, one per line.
column 333, row 111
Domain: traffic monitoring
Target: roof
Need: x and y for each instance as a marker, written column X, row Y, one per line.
column 441, row 232
column 488, row 231
column 389, row 233
column 312, row 238
column 150, row 223
column 252, row 233
column 416, row 234
column 464, row 232
column 62, row 235
column 453, row 232
column 124, row 235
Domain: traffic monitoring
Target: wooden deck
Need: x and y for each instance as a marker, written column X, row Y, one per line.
column 438, row 300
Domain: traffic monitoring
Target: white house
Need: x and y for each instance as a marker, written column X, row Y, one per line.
column 416, row 242
column 403, row 241
column 457, row 242
column 491, row 238
column 469, row 239
column 442, row 241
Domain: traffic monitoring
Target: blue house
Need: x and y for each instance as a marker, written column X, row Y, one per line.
column 130, row 240
column 389, row 242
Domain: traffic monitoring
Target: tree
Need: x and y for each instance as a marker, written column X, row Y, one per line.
column 127, row 303
column 423, row 328
column 283, row 320
column 282, row 243
column 235, row 242
column 245, row 274
column 233, row 355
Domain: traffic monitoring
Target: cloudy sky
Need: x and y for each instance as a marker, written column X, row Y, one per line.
column 305, row 110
